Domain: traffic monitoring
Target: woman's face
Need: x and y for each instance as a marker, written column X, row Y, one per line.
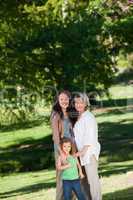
column 79, row 105
column 66, row 147
column 63, row 101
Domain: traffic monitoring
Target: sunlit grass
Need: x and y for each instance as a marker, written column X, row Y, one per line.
column 41, row 185
column 14, row 137
column 31, row 185
column 27, row 145
column 120, row 91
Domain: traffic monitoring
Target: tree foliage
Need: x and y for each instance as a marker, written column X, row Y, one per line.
column 49, row 43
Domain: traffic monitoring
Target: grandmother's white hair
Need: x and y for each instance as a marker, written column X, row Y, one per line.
column 84, row 98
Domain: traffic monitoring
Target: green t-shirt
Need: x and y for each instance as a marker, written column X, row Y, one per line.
column 72, row 172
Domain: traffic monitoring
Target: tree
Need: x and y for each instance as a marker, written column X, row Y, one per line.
column 39, row 47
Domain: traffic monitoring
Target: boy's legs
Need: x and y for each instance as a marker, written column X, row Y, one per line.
column 77, row 189
column 67, row 190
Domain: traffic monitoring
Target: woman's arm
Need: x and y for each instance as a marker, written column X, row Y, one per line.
column 83, row 151
column 80, row 169
column 55, row 131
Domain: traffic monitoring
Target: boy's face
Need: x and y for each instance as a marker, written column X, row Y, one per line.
column 66, row 147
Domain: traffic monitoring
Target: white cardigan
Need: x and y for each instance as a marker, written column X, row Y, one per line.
column 86, row 133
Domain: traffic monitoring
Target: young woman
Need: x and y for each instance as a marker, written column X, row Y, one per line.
column 86, row 137
column 61, row 127
column 70, row 171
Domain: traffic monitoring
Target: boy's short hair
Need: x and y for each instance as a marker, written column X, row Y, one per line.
column 65, row 140
column 68, row 140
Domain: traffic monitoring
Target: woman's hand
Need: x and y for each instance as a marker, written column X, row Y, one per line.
column 78, row 154
column 81, row 175
column 82, row 152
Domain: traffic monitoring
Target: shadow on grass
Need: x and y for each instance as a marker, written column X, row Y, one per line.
column 114, row 111
column 118, row 102
column 116, row 141
column 126, row 194
column 28, row 189
column 26, row 124
column 114, row 103
column 124, row 77
column 36, row 154
column 29, row 155
column 32, row 155
column 106, row 170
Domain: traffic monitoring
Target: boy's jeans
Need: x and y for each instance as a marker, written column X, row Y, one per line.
column 72, row 185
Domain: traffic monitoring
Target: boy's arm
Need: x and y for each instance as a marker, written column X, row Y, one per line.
column 80, row 169
column 60, row 166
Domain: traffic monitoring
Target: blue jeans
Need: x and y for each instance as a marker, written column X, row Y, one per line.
column 72, row 185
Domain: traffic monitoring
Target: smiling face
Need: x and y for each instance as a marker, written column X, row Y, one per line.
column 66, row 147
column 80, row 105
column 63, row 101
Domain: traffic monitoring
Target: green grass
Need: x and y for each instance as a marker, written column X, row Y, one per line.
column 20, row 143
column 120, row 91
column 31, row 185
column 26, row 150
column 41, row 185
column 115, row 134
column 23, row 134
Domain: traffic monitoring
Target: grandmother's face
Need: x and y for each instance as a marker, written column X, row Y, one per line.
column 79, row 105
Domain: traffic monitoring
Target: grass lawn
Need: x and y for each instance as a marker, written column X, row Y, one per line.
column 26, row 151
column 31, row 185
column 41, row 185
